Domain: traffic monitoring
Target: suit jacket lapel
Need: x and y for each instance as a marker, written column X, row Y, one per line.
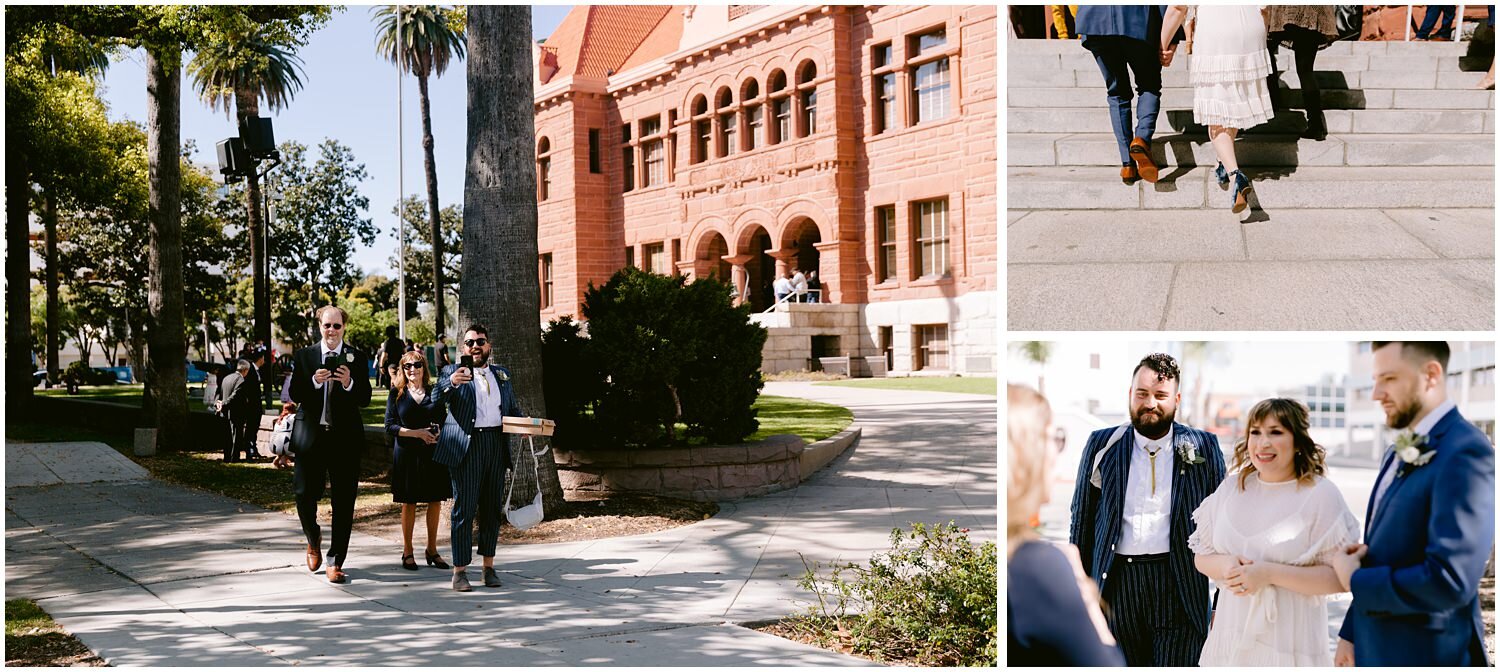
column 1434, row 436
column 1116, row 470
column 1370, row 511
column 1181, row 481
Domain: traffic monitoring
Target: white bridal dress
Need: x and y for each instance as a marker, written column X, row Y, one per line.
column 1229, row 66
column 1289, row 523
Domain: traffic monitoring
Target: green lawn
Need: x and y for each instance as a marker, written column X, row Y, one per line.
column 374, row 414
column 986, row 386
column 811, row 420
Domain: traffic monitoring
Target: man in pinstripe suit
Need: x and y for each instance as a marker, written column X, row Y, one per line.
column 1138, row 486
column 476, row 452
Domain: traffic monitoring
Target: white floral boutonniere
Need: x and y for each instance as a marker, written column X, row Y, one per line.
column 500, row 375
column 1408, row 449
column 349, row 357
column 1188, row 452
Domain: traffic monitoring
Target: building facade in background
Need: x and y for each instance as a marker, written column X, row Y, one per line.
column 747, row 141
column 1471, row 385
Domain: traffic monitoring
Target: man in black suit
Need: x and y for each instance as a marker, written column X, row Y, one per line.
column 330, row 386
column 237, row 404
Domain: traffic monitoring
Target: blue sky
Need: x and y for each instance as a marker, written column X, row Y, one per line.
column 348, row 93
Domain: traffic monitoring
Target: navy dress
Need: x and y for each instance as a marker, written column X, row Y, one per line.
column 415, row 478
column 1049, row 625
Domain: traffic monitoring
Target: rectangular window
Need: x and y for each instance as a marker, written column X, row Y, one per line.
column 629, row 256
column 781, row 109
column 888, row 346
column 702, row 131
column 546, row 268
column 728, row 126
column 810, row 111
column 627, row 163
column 931, row 259
column 656, row 258
column 594, row 166
column 755, row 126
column 885, row 234
column 656, row 162
column 929, row 41
column 676, row 253
column 932, row 347
column 885, row 102
column 544, row 179
column 650, row 126
column 880, row 56
column 930, row 91
column 1094, row 361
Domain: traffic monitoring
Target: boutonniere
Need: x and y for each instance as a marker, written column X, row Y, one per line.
column 349, row 357
column 1189, row 453
column 1408, row 449
column 500, row 375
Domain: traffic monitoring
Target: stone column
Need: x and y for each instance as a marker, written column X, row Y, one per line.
column 741, row 277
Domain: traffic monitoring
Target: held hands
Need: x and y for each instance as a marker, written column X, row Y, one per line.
column 1247, row 577
column 1166, row 54
column 1345, row 564
column 1343, row 656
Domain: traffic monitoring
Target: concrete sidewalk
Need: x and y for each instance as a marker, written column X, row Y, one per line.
column 146, row 573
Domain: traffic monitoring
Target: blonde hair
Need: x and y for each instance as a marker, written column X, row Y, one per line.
column 398, row 379
column 1027, row 420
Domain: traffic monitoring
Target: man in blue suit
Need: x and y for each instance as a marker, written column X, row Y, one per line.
column 1429, row 526
column 1125, row 39
column 1138, row 485
column 476, row 451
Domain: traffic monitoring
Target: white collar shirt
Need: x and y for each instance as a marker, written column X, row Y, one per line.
column 1423, row 428
column 486, row 397
column 326, row 352
column 1147, row 517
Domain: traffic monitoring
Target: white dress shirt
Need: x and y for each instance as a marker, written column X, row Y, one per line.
column 1422, row 428
column 1147, row 527
column 336, row 351
column 486, row 397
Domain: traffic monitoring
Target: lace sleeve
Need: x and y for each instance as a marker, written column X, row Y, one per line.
column 1334, row 528
column 1201, row 541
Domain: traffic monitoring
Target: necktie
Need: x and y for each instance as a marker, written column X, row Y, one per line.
column 1152, row 454
column 327, row 418
column 484, row 381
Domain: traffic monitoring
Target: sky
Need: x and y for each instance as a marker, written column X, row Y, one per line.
column 348, row 94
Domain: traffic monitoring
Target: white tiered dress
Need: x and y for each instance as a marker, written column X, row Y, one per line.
column 1229, row 66
column 1286, row 523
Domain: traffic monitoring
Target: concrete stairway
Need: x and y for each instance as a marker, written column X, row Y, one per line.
column 1402, row 188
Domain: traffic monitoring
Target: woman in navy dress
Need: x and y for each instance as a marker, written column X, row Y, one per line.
column 1054, row 618
column 413, row 416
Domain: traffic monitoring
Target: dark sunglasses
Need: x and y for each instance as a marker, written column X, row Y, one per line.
column 476, row 341
column 334, row 327
column 411, row 365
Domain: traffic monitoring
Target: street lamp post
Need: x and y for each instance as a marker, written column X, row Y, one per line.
column 400, row 182
column 241, row 157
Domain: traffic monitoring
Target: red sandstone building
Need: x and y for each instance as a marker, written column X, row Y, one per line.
column 743, row 141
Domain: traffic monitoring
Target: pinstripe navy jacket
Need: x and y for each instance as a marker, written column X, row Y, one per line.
column 1097, row 512
column 453, row 442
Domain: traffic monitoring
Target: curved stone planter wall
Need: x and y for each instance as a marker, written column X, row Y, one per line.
column 706, row 474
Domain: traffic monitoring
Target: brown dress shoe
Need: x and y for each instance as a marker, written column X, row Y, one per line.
column 1140, row 151
column 314, row 558
column 1128, row 174
column 336, row 575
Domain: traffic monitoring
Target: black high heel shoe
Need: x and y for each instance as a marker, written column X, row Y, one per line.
column 409, row 562
column 435, row 560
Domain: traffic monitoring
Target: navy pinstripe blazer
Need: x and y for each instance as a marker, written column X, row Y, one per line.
column 453, row 444
column 1097, row 512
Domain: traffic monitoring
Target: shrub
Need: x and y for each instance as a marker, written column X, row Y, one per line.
column 930, row 601
column 571, row 382
column 85, row 375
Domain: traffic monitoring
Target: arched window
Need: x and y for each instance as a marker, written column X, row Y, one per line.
column 781, row 108
column 703, row 129
column 728, row 124
column 807, row 99
column 543, row 169
column 754, row 115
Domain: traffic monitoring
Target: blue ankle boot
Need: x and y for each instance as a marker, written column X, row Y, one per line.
column 1241, row 198
column 1222, row 176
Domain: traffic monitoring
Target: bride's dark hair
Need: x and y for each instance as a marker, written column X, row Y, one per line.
column 1307, row 455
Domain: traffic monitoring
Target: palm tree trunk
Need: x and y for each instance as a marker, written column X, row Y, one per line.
column 500, row 287
column 17, row 276
column 247, row 106
column 49, row 218
column 166, row 372
column 432, row 208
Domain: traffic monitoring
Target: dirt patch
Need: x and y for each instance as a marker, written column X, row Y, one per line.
column 33, row 639
column 824, row 636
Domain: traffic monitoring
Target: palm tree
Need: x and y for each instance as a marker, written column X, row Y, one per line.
column 500, row 287
column 1197, row 355
column 1036, row 352
column 423, row 40
column 246, row 66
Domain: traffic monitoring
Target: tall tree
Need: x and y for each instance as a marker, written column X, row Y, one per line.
column 1036, row 352
column 246, row 65
column 422, row 40
column 419, row 252
column 500, row 287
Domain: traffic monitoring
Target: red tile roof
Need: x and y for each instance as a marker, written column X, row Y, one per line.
column 596, row 41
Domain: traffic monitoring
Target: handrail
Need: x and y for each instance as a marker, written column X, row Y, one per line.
column 792, row 298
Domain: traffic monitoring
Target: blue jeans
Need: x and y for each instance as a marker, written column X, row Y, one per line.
column 1118, row 57
column 1447, row 13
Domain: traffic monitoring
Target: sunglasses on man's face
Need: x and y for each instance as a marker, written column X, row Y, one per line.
column 334, row 327
column 476, row 341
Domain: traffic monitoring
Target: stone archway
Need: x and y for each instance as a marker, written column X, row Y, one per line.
column 709, row 260
column 801, row 239
column 753, row 246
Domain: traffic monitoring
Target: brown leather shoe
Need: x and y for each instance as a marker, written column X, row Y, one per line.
column 336, row 575
column 1128, row 175
column 1140, row 151
column 314, row 558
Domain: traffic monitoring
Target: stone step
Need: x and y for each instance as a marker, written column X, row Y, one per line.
column 1177, row 76
column 1311, row 187
column 1099, row 149
column 1333, row 99
column 1017, row 47
column 1083, row 60
column 1064, row 119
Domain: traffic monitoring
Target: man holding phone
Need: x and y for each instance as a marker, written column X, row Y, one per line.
column 329, row 435
column 478, row 395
